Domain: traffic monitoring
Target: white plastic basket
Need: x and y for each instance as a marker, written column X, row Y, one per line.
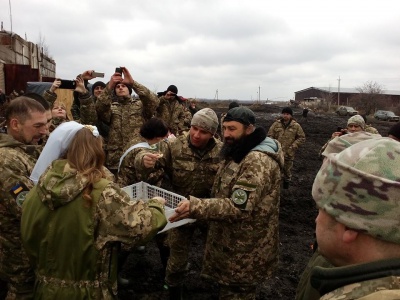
column 144, row 191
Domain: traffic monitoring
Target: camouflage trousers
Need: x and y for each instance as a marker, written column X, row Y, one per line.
column 179, row 240
column 228, row 292
column 287, row 168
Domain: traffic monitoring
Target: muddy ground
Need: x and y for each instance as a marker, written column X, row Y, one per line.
column 297, row 214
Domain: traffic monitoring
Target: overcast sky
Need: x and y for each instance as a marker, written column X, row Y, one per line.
column 233, row 46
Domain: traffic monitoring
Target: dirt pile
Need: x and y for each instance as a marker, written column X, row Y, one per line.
column 297, row 215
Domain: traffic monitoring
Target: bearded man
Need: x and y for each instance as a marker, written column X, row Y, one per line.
column 243, row 237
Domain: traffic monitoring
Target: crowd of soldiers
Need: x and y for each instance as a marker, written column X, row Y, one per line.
column 50, row 165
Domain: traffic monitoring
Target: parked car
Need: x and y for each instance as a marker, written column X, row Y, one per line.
column 346, row 111
column 386, row 115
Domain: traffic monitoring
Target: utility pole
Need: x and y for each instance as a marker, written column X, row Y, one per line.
column 216, row 95
column 338, row 92
column 259, row 94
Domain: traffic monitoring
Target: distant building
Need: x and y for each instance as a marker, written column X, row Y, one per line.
column 345, row 94
column 22, row 61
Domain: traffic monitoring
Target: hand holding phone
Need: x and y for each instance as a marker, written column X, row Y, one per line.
column 97, row 74
column 67, row 84
column 118, row 70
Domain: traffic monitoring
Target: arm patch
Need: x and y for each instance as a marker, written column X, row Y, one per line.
column 239, row 198
column 18, row 192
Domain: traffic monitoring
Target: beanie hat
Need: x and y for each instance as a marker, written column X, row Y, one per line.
column 241, row 114
column 339, row 143
column 172, row 88
column 127, row 85
column 358, row 120
column 96, row 84
column 207, row 119
column 395, row 131
column 360, row 186
column 287, row 110
column 233, row 104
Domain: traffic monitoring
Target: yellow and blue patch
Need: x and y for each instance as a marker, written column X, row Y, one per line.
column 18, row 192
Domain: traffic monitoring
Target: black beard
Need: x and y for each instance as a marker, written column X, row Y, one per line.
column 228, row 150
column 239, row 148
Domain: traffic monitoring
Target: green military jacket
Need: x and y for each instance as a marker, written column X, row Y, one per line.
column 173, row 114
column 378, row 280
column 243, row 236
column 190, row 171
column 16, row 164
column 72, row 242
column 291, row 136
column 125, row 116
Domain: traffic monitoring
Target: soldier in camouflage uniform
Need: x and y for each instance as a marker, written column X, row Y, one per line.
column 171, row 110
column 357, row 193
column 153, row 131
column 85, row 109
column 355, row 123
column 85, row 210
column 290, row 134
column 304, row 289
column 27, row 123
column 243, row 237
column 191, row 162
column 124, row 114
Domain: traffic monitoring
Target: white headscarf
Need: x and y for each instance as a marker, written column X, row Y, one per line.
column 56, row 146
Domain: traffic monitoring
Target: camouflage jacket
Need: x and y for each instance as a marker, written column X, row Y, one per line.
column 188, row 118
column 127, row 174
column 87, row 109
column 173, row 114
column 290, row 136
column 190, row 171
column 368, row 281
column 243, row 237
column 125, row 116
column 50, row 97
column 16, row 164
column 88, row 114
column 56, row 216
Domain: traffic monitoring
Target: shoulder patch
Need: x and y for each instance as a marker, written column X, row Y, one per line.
column 18, row 192
column 239, row 197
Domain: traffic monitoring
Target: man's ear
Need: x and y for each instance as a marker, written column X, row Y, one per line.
column 349, row 235
column 250, row 129
column 14, row 124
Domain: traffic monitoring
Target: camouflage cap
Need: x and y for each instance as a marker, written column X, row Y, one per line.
column 356, row 119
column 207, row 119
column 360, row 187
column 344, row 141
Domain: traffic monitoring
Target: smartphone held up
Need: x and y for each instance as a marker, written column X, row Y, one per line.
column 97, row 74
column 67, row 84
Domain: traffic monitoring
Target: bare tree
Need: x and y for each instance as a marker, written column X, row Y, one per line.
column 370, row 97
column 43, row 45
